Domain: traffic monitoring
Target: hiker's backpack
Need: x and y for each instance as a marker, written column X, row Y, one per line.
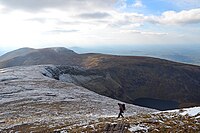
column 123, row 106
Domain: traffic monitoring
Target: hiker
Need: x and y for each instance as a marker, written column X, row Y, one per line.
column 121, row 109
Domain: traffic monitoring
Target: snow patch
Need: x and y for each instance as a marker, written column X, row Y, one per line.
column 139, row 128
column 190, row 111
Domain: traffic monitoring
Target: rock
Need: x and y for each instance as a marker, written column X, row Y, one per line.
column 116, row 128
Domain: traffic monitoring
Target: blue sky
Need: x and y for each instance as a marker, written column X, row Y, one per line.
column 150, row 6
column 159, row 6
column 90, row 23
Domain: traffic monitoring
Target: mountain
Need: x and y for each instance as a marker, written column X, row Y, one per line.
column 144, row 81
column 29, row 56
column 32, row 102
column 16, row 53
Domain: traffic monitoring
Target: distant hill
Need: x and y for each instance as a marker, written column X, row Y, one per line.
column 145, row 81
column 16, row 53
column 29, row 56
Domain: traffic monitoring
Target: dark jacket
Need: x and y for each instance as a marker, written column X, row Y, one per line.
column 121, row 108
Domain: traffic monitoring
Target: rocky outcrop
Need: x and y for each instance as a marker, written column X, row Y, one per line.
column 116, row 128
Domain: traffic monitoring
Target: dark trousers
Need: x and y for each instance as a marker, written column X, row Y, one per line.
column 120, row 114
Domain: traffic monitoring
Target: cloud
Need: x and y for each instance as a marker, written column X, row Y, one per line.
column 93, row 22
column 41, row 20
column 125, row 4
column 171, row 17
column 35, row 5
column 144, row 32
column 138, row 4
column 63, row 31
column 184, row 17
column 121, row 4
column 126, row 19
column 95, row 15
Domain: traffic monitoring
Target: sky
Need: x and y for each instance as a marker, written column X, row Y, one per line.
column 89, row 23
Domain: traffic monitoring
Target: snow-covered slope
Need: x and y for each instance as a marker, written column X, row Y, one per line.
column 29, row 98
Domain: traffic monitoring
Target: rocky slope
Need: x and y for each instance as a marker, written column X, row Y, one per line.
column 30, row 101
column 182, row 121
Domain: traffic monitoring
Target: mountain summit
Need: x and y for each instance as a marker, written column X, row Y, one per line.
column 29, row 56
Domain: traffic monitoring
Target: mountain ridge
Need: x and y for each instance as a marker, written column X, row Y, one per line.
column 126, row 78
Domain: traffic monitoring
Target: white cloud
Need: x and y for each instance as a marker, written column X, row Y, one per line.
column 144, row 32
column 87, row 22
column 94, row 15
column 138, row 4
column 171, row 17
column 121, row 4
column 37, row 5
column 126, row 19
column 63, row 31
